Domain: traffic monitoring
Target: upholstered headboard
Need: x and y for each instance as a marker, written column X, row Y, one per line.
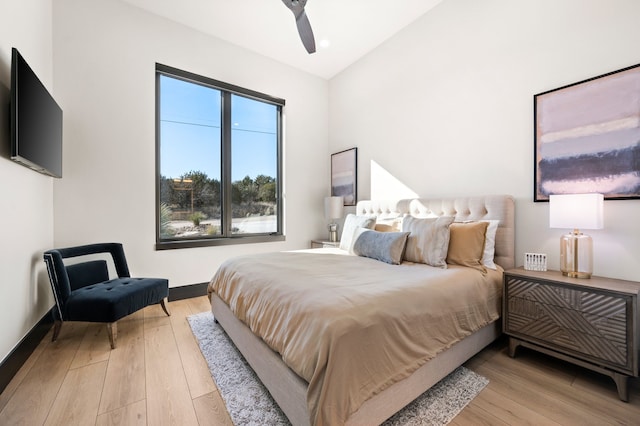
column 494, row 207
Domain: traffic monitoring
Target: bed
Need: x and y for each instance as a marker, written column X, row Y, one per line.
column 339, row 338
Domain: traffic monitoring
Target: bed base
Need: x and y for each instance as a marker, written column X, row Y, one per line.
column 289, row 390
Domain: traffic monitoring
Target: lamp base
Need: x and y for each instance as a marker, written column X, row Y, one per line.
column 576, row 255
column 333, row 232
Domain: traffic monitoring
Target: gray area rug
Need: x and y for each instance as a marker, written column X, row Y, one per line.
column 249, row 402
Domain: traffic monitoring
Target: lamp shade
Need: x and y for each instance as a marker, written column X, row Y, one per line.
column 333, row 207
column 576, row 211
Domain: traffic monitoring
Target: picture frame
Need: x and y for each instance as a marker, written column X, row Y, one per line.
column 344, row 176
column 587, row 137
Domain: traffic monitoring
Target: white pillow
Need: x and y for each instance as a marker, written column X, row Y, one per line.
column 490, row 244
column 351, row 224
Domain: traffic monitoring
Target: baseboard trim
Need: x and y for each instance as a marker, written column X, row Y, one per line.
column 187, row 291
column 14, row 361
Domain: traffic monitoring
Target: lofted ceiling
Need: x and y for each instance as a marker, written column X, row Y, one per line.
column 352, row 28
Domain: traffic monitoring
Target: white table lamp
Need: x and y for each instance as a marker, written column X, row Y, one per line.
column 576, row 211
column 332, row 211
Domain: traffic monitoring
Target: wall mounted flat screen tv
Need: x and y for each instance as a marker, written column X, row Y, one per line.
column 36, row 121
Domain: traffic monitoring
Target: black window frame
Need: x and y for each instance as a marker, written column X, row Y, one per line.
column 226, row 237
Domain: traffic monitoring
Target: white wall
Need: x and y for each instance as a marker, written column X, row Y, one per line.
column 104, row 68
column 26, row 197
column 446, row 107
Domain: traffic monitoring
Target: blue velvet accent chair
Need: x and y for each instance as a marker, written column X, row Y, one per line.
column 83, row 291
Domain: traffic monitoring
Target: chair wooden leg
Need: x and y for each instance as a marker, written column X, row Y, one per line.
column 163, row 303
column 112, row 331
column 57, row 325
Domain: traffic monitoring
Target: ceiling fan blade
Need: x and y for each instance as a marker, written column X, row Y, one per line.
column 302, row 22
column 306, row 33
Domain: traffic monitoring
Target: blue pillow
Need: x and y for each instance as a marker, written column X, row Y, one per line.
column 384, row 246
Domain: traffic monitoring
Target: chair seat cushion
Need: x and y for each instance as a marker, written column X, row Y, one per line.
column 114, row 299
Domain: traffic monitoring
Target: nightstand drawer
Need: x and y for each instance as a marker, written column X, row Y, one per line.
column 592, row 324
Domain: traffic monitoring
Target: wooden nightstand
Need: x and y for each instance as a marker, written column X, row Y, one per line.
column 592, row 323
column 324, row 243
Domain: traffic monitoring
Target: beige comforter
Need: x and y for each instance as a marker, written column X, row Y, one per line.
column 352, row 326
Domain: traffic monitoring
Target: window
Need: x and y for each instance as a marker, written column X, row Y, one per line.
column 218, row 162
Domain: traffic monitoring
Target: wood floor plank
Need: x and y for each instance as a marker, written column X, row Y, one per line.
column 79, row 396
column 517, row 386
column 168, row 398
column 32, row 400
column 603, row 387
column 200, row 304
column 94, row 347
column 17, row 379
column 509, row 411
column 211, row 410
column 542, row 364
column 599, row 392
column 154, row 316
column 132, row 415
column 604, row 404
column 125, row 381
column 475, row 416
column 195, row 367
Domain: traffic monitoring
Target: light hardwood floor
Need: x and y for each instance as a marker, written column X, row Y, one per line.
column 155, row 376
column 158, row 376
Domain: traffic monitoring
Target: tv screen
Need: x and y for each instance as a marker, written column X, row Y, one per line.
column 36, row 121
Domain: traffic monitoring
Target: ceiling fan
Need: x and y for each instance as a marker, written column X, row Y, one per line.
column 302, row 22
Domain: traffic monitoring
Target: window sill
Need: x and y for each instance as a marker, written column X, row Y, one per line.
column 223, row 241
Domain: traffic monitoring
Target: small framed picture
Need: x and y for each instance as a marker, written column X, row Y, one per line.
column 344, row 175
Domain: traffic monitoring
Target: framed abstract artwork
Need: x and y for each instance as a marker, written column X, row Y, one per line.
column 587, row 137
column 344, row 175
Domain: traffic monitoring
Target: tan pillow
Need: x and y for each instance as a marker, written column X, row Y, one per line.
column 389, row 225
column 428, row 240
column 466, row 244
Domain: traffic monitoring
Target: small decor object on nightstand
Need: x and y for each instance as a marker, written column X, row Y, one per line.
column 574, row 211
column 535, row 261
column 332, row 211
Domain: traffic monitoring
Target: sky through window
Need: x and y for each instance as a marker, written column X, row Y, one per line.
column 190, row 126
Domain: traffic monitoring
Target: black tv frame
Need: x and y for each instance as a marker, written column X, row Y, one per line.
column 36, row 121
